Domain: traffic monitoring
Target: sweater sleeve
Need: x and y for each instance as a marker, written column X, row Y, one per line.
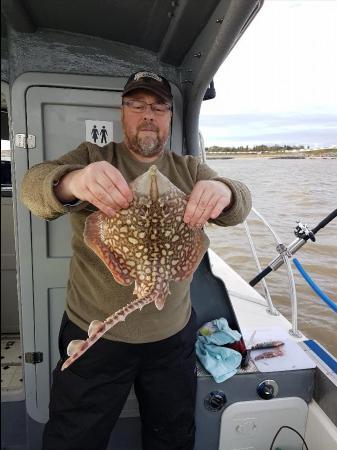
column 37, row 189
column 241, row 203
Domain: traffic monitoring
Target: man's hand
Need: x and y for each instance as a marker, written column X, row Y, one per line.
column 207, row 201
column 99, row 183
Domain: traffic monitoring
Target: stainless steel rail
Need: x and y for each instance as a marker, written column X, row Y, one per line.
column 284, row 257
column 271, row 309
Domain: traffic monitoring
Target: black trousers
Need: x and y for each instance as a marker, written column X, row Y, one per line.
column 87, row 398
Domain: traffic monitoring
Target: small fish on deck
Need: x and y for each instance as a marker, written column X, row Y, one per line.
column 147, row 244
column 267, row 344
column 267, row 355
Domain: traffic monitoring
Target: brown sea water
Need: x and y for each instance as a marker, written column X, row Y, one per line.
column 285, row 191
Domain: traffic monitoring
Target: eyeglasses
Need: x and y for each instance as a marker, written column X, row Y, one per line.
column 139, row 106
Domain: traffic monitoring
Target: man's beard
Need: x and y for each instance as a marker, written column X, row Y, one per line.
column 148, row 144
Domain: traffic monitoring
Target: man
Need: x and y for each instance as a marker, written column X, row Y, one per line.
column 154, row 350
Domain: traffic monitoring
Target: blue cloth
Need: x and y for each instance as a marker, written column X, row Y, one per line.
column 221, row 362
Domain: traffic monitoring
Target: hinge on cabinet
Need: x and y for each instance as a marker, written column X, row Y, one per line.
column 25, row 140
column 33, row 357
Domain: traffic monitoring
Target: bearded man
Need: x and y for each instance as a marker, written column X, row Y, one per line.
column 152, row 350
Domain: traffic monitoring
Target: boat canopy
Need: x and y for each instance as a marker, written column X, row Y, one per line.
column 186, row 41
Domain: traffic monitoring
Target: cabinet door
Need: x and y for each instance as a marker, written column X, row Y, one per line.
column 56, row 116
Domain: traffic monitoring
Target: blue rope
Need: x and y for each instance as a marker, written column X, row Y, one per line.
column 314, row 286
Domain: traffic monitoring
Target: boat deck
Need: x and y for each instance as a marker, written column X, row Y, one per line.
column 296, row 381
column 12, row 388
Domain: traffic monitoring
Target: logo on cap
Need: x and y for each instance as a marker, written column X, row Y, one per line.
column 140, row 75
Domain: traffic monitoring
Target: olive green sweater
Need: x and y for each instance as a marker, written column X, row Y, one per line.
column 92, row 292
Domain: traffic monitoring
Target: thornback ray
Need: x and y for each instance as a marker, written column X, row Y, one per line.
column 148, row 244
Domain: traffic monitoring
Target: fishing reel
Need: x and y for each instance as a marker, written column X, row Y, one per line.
column 303, row 232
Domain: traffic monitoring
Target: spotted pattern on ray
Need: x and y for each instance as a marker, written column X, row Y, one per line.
column 148, row 244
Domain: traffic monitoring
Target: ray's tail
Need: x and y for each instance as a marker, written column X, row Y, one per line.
column 97, row 329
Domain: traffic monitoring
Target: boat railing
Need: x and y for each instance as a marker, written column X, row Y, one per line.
column 285, row 256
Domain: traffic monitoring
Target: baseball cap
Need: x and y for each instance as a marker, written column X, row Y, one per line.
column 150, row 81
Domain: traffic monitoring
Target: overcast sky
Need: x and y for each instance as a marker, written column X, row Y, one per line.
column 278, row 85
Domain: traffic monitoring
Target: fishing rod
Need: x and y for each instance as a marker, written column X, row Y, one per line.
column 303, row 234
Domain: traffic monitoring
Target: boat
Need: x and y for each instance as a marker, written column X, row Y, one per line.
column 64, row 66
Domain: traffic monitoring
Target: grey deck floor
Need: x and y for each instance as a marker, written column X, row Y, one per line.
column 11, row 368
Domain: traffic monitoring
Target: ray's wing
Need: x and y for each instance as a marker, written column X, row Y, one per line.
column 188, row 258
column 94, row 238
column 186, row 246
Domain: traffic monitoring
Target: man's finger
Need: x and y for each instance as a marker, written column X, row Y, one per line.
column 110, row 212
column 112, row 191
column 219, row 207
column 119, row 181
column 99, row 195
column 91, row 198
column 193, row 202
column 202, row 208
column 203, row 215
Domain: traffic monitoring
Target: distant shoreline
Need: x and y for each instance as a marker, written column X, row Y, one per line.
column 332, row 155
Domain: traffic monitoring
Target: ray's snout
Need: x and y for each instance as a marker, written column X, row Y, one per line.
column 154, row 191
